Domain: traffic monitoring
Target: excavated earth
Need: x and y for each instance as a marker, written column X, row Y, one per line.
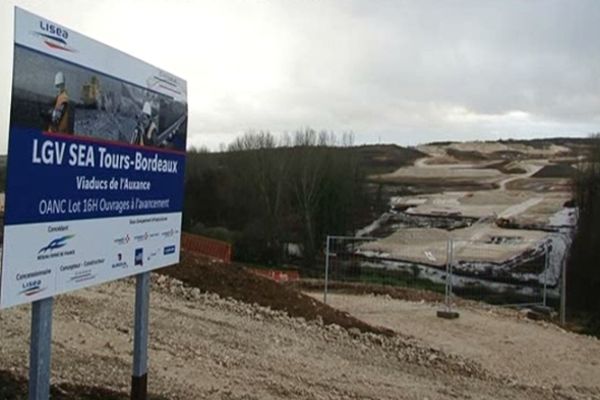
column 219, row 332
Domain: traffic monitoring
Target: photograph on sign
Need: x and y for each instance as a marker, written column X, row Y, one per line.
column 95, row 165
column 58, row 97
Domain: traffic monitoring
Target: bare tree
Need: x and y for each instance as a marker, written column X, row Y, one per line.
column 267, row 190
column 264, row 167
column 310, row 161
column 583, row 271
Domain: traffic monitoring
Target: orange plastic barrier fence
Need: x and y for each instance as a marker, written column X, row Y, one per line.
column 206, row 246
column 277, row 275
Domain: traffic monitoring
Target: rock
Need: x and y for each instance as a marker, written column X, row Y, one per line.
column 355, row 332
column 123, row 330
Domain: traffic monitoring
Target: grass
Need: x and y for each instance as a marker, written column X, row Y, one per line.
column 380, row 159
column 504, row 298
column 387, row 277
column 556, row 171
column 584, row 322
column 413, row 283
column 278, row 267
column 405, row 279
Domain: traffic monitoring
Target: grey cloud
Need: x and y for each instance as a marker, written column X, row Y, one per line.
column 407, row 71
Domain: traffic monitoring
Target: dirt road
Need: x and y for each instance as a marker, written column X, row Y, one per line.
column 501, row 340
column 205, row 347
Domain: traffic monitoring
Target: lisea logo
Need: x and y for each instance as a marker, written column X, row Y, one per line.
column 56, row 244
column 54, row 36
column 30, row 288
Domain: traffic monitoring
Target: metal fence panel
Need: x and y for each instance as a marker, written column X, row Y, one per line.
column 494, row 270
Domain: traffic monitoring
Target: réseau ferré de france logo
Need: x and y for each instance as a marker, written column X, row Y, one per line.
column 56, row 244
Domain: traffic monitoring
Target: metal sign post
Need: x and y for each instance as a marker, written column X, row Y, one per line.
column 450, row 282
column 40, row 349
column 448, row 274
column 326, row 270
column 563, row 294
column 546, row 267
column 447, row 312
column 139, row 378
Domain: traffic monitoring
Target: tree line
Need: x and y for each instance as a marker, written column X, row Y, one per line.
column 583, row 272
column 276, row 197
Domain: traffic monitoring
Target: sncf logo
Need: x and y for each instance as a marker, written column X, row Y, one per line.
column 54, row 36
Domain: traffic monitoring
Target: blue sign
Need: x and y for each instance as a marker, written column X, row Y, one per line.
column 95, row 168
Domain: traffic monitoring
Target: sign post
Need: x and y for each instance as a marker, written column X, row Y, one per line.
column 326, row 269
column 139, row 378
column 563, row 294
column 40, row 349
column 95, row 177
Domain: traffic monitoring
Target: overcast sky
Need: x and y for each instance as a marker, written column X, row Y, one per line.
column 402, row 72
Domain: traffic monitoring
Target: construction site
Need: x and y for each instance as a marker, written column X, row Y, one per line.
column 223, row 330
column 336, row 200
column 100, row 107
column 510, row 233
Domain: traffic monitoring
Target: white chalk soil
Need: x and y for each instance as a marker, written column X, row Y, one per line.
column 503, row 341
column 205, row 347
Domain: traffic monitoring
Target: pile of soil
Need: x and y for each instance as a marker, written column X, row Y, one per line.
column 235, row 281
column 506, row 167
column 556, row 171
column 466, row 155
column 380, row 159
